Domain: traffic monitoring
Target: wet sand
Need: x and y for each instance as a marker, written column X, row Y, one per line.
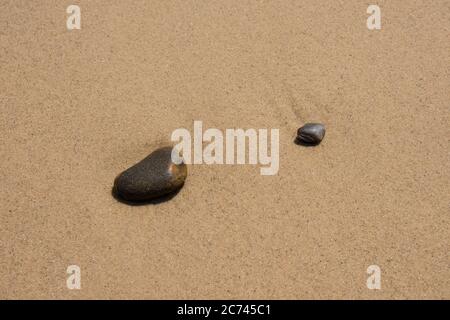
column 78, row 107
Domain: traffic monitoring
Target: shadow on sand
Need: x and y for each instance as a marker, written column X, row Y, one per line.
column 155, row 201
column 304, row 144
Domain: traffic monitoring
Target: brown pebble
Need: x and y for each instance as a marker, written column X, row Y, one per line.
column 153, row 177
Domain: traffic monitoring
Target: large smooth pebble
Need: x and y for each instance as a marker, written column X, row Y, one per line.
column 153, row 177
column 310, row 134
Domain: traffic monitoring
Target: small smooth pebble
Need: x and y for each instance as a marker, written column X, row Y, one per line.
column 310, row 134
column 153, row 177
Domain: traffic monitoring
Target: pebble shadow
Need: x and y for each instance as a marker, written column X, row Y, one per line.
column 144, row 203
column 304, row 144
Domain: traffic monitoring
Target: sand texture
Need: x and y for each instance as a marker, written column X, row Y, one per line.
column 78, row 107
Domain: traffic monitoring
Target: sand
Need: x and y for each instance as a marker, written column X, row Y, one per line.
column 78, row 107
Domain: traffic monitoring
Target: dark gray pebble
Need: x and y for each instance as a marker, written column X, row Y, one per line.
column 310, row 134
column 153, row 177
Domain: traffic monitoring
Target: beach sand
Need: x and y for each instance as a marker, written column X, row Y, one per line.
column 80, row 106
